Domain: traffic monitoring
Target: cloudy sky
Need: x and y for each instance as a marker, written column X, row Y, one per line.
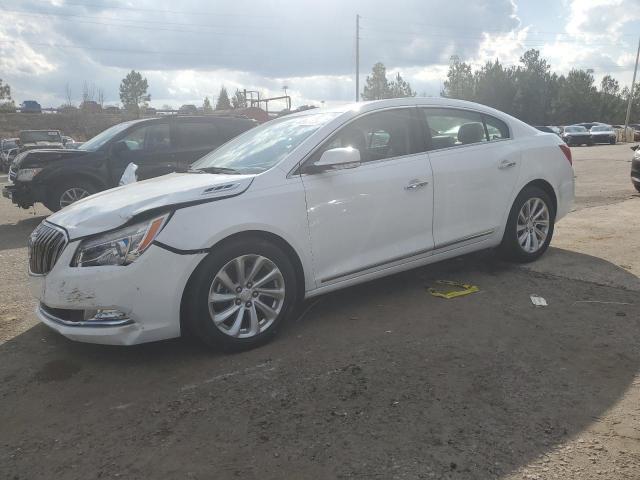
column 188, row 49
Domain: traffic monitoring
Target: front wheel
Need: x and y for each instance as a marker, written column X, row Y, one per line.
column 529, row 227
column 69, row 192
column 240, row 294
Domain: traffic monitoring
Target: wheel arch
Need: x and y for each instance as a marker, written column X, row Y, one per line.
column 255, row 234
column 68, row 175
column 547, row 188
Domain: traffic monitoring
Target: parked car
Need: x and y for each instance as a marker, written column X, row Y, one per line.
column 576, row 135
column 30, row 106
column 297, row 207
column 603, row 134
column 8, row 150
column 635, row 167
column 38, row 139
column 58, row 178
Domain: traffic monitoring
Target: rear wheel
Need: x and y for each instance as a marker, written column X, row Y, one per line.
column 69, row 192
column 529, row 227
column 240, row 294
column 637, row 186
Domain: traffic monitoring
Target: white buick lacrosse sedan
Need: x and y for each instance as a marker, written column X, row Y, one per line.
column 300, row 206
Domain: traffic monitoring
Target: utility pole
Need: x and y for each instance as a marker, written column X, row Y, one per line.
column 357, row 57
column 633, row 82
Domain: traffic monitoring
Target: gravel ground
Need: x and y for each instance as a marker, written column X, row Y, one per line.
column 376, row 381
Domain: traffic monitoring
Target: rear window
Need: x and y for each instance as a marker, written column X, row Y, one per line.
column 193, row 136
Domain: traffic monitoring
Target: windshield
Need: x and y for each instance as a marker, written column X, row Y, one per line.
column 575, row 129
column 600, row 129
column 260, row 148
column 99, row 140
column 40, row 136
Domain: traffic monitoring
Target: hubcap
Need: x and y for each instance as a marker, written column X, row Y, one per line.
column 246, row 296
column 532, row 227
column 72, row 195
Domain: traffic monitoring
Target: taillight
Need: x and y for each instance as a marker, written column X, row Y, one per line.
column 567, row 153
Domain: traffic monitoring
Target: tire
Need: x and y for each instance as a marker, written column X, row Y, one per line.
column 612, row 141
column 234, row 330
column 637, row 186
column 63, row 195
column 511, row 247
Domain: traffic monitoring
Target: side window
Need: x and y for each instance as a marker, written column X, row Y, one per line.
column 377, row 136
column 451, row 127
column 197, row 135
column 496, row 129
column 150, row 138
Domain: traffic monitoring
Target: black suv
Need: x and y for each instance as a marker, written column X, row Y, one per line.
column 157, row 146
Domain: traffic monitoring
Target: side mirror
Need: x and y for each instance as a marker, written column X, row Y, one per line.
column 64, row 141
column 338, row 158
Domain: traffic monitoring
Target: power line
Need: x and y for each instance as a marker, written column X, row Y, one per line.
column 155, row 10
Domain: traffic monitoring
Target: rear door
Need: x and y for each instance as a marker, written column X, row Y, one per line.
column 150, row 147
column 475, row 168
column 194, row 139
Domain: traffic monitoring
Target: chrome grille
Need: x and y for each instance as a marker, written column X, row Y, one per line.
column 12, row 174
column 46, row 243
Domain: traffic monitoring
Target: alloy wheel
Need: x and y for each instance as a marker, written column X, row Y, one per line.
column 72, row 195
column 246, row 296
column 532, row 227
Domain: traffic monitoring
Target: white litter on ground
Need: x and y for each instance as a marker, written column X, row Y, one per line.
column 538, row 301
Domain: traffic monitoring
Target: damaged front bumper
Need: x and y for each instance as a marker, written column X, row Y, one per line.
column 116, row 305
column 23, row 194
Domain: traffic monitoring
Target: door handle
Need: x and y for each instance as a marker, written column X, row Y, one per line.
column 506, row 164
column 415, row 184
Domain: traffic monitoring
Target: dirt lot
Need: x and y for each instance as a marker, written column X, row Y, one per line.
column 377, row 381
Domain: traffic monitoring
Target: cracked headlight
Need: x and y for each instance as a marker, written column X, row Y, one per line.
column 120, row 247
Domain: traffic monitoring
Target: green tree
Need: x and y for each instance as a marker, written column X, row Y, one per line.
column 460, row 82
column 495, row 86
column 238, row 100
column 6, row 104
column 377, row 86
column 133, row 92
column 576, row 98
column 399, row 88
column 533, row 97
column 611, row 103
column 206, row 105
column 223, row 102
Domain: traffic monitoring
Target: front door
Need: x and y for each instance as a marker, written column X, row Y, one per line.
column 150, row 147
column 378, row 213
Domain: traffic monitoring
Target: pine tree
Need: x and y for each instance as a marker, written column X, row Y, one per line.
column 206, row 105
column 377, row 85
column 223, row 102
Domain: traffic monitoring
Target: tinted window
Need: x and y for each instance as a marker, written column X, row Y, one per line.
column 450, row 127
column 194, row 136
column 378, row 136
column 150, row 138
column 498, row 130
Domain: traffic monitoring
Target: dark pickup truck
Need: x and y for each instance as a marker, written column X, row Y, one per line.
column 59, row 177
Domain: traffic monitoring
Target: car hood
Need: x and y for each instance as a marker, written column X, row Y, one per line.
column 576, row 134
column 35, row 158
column 32, row 145
column 115, row 207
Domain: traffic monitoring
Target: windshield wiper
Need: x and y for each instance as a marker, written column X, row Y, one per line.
column 212, row 170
